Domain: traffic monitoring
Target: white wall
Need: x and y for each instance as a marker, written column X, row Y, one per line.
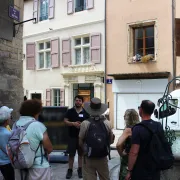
column 61, row 18
column 43, row 79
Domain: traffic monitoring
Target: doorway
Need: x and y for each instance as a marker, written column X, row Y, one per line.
column 36, row 96
column 85, row 89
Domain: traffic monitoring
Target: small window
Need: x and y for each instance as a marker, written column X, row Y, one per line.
column 43, row 10
column 44, row 55
column 144, row 41
column 56, row 97
column 82, row 50
column 80, row 5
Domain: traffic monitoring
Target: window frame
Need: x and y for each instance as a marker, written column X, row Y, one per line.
column 82, row 46
column 44, row 51
column 130, row 44
column 144, row 39
column 53, row 96
column 40, row 20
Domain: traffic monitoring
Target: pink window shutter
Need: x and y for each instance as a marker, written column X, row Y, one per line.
column 62, row 97
column 70, row 6
column 51, row 9
column 48, row 97
column 30, row 56
column 96, row 48
column 55, row 53
column 89, row 4
column 66, row 52
column 35, row 9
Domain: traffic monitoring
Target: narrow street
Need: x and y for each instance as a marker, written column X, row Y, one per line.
column 59, row 170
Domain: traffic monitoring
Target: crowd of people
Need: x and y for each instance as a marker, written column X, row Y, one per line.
column 90, row 135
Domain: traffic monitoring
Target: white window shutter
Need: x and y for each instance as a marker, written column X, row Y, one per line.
column 95, row 50
column 51, row 9
column 35, row 9
column 89, row 4
column 55, row 53
column 61, row 97
column 30, row 56
column 70, row 6
column 48, row 97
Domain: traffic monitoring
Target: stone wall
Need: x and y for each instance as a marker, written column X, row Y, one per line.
column 11, row 72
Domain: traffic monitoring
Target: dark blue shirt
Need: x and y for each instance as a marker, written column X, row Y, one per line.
column 140, row 135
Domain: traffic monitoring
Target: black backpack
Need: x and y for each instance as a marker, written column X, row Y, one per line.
column 160, row 151
column 97, row 140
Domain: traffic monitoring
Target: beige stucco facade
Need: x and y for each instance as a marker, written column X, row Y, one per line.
column 122, row 16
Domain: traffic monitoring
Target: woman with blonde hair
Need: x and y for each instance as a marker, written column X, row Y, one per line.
column 131, row 118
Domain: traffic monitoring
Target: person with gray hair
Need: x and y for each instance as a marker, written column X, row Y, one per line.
column 5, row 165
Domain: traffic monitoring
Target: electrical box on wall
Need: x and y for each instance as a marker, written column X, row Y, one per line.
column 6, row 23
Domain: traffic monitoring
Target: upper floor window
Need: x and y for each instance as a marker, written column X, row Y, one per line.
column 44, row 6
column 44, row 54
column 80, row 5
column 82, row 50
column 144, row 40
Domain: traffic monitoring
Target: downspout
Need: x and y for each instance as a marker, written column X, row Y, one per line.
column 173, row 43
column 105, row 43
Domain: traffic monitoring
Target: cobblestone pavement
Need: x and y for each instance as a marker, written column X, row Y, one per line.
column 59, row 170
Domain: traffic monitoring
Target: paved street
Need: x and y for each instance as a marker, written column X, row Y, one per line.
column 59, row 170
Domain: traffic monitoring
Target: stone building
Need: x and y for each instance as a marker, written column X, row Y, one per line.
column 11, row 90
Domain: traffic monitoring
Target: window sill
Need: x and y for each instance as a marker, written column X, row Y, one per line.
column 140, row 62
column 43, row 69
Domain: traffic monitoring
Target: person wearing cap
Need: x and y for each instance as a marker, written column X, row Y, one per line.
column 95, row 165
column 9, row 110
column 5, row 165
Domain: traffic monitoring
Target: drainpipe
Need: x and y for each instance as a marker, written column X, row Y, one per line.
column 173, row 43
column 105, row 31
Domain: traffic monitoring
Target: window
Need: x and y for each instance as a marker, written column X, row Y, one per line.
column 43, row 10
column 82, row 50
column 144, row 40
column 80, row 5
column 56, row 97
column 44, row 52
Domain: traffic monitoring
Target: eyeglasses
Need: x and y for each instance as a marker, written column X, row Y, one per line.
column 139, row 107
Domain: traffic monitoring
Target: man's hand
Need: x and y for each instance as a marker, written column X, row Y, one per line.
column 77, row 124
column 128, row 176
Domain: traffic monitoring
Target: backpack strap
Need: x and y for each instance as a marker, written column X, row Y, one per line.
column 27, row 124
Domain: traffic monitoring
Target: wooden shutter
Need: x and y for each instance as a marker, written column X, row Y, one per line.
column 55, row 53
column 48, row 97
column 62, row 97
column 51, row 9
column 30, row 56
column 96, row 48
column 89, row 4
column 66, row 52
column 177, row 32
column 70, row 6
column 35, row 9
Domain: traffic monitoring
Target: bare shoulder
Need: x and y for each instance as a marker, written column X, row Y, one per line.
column 127, row 132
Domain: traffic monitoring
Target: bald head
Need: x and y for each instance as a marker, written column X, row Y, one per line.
column 147, row 107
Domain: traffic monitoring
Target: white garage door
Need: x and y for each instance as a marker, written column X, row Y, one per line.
column 131, row 101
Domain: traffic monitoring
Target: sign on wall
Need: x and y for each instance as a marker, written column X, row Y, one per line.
column 14, row 13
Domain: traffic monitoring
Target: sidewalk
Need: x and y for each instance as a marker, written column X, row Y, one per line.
column 59, row 170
